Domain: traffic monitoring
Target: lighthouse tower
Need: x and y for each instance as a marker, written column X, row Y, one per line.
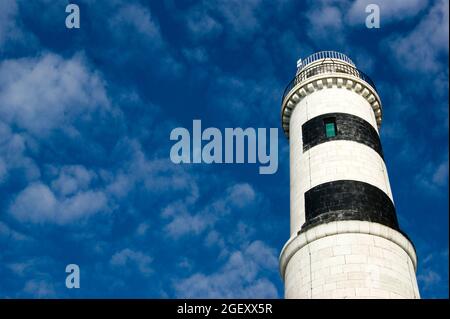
column 345, row 240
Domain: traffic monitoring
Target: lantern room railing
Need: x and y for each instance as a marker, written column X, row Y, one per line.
column 327, row 68
column 324, row 55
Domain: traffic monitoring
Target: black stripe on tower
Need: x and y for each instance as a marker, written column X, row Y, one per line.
column 347, row 127
column 348, row 200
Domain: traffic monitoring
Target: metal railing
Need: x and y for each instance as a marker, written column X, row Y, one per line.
column 324, row 55
column 327, row 68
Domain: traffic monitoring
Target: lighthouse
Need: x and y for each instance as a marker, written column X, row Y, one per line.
column 345, row 240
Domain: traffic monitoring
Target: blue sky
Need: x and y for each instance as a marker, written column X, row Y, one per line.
column 85, row 119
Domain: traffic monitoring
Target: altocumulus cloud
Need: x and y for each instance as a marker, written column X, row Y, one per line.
column 127, row 257
column 240, row 277
column 208, row 18
column 39, row 289
column 14, row 157
column 68, row 199
column 47, row 92
column 8, row 27
column 183, row 222
column 420, row 50
column 391, row 11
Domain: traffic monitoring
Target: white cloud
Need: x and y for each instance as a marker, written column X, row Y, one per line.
column 182, row 221
column 126, row 256
column 241, row 195
column 7, row 232
column 139, row 19
column 8, row 27
column 239, row 19
column 185, row 264
column 196, row 55
column 37, row 203
column 434, row 177
column 39, row 289
column 420, row 49
column 19, row 268
column 47, row 92
column 142, row 228
column 390, row 10
column 158, row 175
column 214, row 238
column 185, row 222
column 325, row 24
column 13, row 155
column 201, row 25
column 440, row 175
column 241, row 102
column 133, row 26
column 3, row 170
column 242, row 276
column 71, row 179
column 241, row 16
column 433, row 271
column 429, row 278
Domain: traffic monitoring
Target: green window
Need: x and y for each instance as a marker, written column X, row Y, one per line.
column 330, row 127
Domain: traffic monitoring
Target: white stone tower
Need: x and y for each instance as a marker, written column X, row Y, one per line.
column 345, row 240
